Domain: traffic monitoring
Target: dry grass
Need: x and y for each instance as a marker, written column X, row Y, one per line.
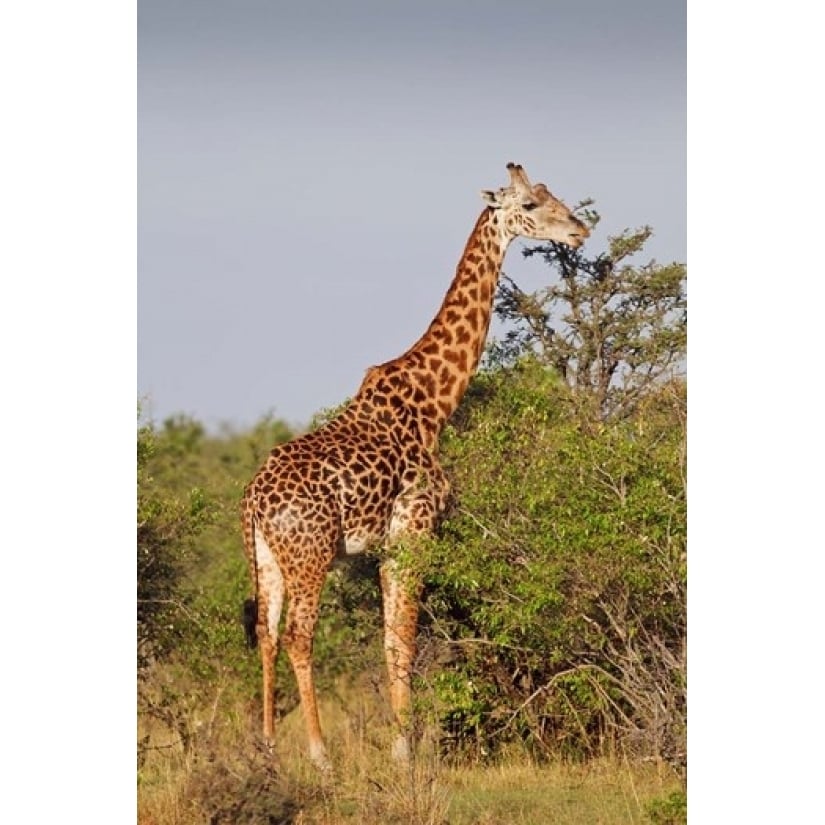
column 227, row 777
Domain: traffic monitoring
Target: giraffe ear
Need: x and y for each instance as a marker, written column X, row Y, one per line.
column 490, row 197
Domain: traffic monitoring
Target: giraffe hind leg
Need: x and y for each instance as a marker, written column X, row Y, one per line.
column 299, row 631
column 270, row 600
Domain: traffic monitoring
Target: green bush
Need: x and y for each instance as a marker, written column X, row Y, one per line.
column 560, row 573
column 166, row 526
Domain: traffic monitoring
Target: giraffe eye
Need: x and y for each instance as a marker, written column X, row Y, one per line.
column 529, row 207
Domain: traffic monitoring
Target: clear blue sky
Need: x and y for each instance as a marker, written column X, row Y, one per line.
column 308, row 173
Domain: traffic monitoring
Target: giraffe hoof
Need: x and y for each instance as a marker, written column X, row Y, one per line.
column 318, row 757
column 401, row 750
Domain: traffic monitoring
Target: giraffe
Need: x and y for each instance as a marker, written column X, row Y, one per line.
column 370, row 477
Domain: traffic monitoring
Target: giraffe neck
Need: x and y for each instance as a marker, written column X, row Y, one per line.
column 430, row 378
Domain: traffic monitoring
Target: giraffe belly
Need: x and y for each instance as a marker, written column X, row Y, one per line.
column 356, row 542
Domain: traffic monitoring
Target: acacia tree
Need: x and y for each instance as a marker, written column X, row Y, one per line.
column 612, row 329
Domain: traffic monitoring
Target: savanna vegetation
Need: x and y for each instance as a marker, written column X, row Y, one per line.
column 551, row 674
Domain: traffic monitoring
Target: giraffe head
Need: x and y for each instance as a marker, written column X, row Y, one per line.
column 531, row 211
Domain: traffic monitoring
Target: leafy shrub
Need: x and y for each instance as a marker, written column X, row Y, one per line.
column 560, row 574
column 166, row 525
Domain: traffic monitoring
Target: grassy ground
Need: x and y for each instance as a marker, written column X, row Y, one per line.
column 227, row 778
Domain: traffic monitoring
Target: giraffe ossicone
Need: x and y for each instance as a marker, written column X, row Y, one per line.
column 371, row 476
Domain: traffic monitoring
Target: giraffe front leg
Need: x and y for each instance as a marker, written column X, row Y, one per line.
column 414, row 517
column 401, row 595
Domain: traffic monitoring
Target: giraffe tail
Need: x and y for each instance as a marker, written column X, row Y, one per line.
column 250, row 619
column 249, row 616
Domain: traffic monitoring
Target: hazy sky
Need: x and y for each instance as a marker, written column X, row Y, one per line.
column 308, row 173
